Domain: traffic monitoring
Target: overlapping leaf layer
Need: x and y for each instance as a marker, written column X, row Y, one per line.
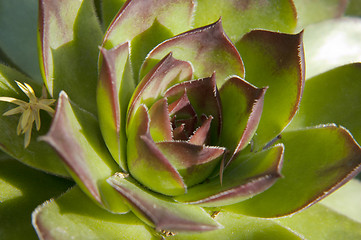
column 167, row 116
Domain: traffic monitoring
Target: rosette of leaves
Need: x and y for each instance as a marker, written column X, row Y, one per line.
column 172, row 121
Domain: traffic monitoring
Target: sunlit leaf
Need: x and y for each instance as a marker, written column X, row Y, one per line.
column 115, row 88
column 313, row 11
column 331, row 44
column 275, row 60
column 334, row 97
column 240, row 17
column 161, row 213
column 75, row 216
column 320, row 222
column 69, row 36
column 76, row 137
column 205, row 58
column 242, row 227
column 328, row 156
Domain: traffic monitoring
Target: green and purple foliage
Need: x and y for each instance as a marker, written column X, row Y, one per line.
column 180, row 119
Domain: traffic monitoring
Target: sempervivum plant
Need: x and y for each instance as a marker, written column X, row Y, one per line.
column 172, row 119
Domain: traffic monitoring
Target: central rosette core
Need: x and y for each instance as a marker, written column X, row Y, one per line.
column 172, row 121
column 177, row 131
column 194, row 110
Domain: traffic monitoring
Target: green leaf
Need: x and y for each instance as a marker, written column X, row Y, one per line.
column 331, row 44
column 313, row 11
column 18, row 36
column 240, row 17
column 115, row 88
column 332, row 97
column 160, row 127
column 69, row 36
column 346, row 200
column 38, row 154
column 74, row 216
column 160, row 212
column 242, row 227
column 22, row 189
column 321, row 223
column 205, row 58
column 243, row 104
column 246, row 176
column 146, row 163
column 145, row 24
column 167, row 72
column 109, row 10
column 275, row 60
column 193, row 162
column 76, row 136
column 353, row 8
column 326, row 155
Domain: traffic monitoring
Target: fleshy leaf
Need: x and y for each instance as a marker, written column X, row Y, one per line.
column 243, row 104
column 160, row 126
column 346, row 200
column 75, row 135
column 329, row 156
column 205, row 58
column 166, row 73
column 69, row 36
column 161, row 213
column 275, row 60
column 75, row 216
column 194, row 162
column 145, row 161
column 201, row 135
column 313, row 11
column 115, row 88
column 320, row 222
column 333, row 96
column 22, row 189
column 179, row 133
column 242, row 227
column 331, row 44
column 353, row 8
column 245, row 177
column 109, row 10
column 240, row 17
column 182, row 106
column 38, row 154
column 204, row 97
column 146, row 23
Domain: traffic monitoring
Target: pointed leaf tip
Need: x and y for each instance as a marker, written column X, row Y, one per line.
column 194, row 162
column 201, row 135
column 205, row 58
column 146, row 162
column 114, row 90
column 275, row 60
column 167, row 72
column 76, row 137
column 204, row 98
column 161, row 213
column 242, row 114
column 245, row 177
column 67, row 147
column 329, row 157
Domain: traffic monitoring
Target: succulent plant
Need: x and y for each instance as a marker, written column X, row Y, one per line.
column 180, row 119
